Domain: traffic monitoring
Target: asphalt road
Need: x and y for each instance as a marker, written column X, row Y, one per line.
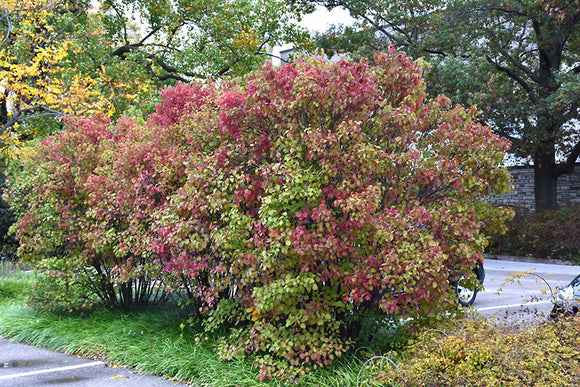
column 23, row 365
column 527, row 299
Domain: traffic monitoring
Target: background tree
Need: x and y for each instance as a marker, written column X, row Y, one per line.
column 185, row 39
column 36, row 79
column 517, row 60
column 68, row 57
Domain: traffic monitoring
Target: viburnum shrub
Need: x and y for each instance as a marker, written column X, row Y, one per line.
column 320, row 190
column 49, row 200
column 288, row 207
column 84, row 201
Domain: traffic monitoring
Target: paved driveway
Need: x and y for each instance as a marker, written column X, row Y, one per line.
column 24, row 365
column 528, row 299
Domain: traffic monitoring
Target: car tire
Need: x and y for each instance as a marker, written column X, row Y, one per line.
column 465, row 296
column 557, row 312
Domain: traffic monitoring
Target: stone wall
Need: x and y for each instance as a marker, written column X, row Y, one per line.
column 568, row 189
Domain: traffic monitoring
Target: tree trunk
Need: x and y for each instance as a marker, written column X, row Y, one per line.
column 545, row 179
column 3, row 112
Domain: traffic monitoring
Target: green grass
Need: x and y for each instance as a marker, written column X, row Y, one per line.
column 12, row 285
column 151, row 340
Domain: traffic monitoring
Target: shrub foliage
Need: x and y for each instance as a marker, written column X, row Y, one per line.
column 546, row 234
column 284, row 206
column 79, row 200
column 479, row 353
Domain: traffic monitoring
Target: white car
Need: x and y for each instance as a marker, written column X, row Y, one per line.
column 567, row 301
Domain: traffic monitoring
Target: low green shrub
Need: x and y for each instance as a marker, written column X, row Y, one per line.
column 548, row 234
column 481, row 353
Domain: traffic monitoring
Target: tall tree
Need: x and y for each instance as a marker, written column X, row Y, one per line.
column 78, row 57
column 187, row 39
column 519, row 61
column 36, row 79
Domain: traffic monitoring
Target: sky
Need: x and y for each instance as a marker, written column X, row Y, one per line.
column 319, row 21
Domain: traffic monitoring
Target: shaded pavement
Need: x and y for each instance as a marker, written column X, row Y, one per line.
column 24, row 365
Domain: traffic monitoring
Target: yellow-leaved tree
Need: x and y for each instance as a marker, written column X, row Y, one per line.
column 81, row 57
column 39, row 76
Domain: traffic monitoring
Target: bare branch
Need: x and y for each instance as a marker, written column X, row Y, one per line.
column 171, row 76
column 570, row 163
column 511, row 12
column 20, row 115
column 48, row 112
column 167, row 67
column 514, row 76
column 78, row 14
column 7, row 16
column 150, row 34
column 228, row 67
column 519, row 65
column 8, row 30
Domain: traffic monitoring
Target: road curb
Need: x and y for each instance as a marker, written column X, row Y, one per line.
column 515, row 258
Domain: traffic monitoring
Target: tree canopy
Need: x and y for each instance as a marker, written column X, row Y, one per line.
column 82, row 57
column 519, row 61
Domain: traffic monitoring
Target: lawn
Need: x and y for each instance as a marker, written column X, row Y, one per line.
column 153, row 340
